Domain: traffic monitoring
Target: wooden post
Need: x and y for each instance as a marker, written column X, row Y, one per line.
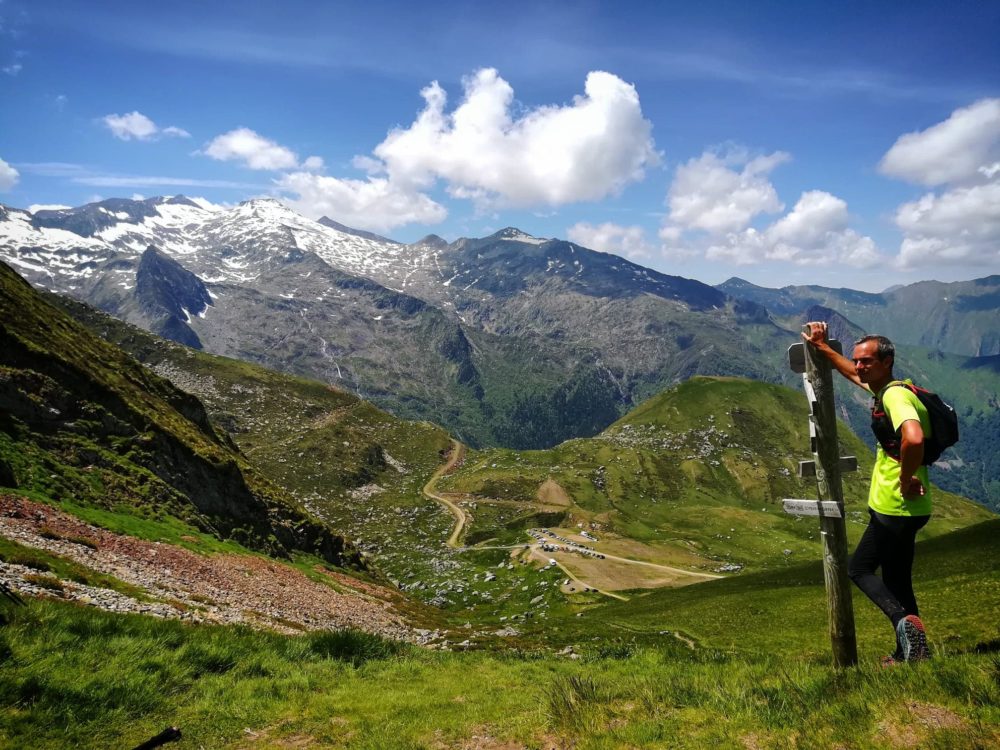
column 818, row 377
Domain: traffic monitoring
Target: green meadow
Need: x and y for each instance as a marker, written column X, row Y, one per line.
column 735, row 663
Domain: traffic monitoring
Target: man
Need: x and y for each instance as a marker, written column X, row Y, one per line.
column 899, row 499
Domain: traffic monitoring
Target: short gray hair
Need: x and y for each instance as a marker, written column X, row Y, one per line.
column 885, row 347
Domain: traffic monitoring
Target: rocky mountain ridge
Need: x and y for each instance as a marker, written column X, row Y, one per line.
column 505, row 340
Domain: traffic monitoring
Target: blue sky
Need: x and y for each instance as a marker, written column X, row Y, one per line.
column 845, row 144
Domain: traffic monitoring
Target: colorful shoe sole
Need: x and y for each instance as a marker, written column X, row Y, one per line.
column 913, row 639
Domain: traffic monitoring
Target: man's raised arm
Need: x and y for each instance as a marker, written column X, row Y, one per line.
column 817, row 336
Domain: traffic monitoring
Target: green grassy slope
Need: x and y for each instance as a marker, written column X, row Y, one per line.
column 83, row 424
column 956, row 578
column 758, row 676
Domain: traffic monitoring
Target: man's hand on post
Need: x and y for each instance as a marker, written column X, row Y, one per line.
column 817, row 333
column 817, row 336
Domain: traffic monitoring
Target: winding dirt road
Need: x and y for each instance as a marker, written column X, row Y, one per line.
column 457, row 454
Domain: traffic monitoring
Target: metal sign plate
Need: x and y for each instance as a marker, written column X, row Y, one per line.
column 825, row 508
column 797, row 355
column 797, row 358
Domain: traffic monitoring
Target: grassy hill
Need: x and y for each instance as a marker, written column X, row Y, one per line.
column 85, row 426
column 695, row 474
column 351, row 464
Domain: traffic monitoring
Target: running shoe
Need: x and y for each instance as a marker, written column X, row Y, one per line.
column 913, row 638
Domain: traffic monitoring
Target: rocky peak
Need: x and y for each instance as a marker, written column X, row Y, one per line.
column 432, row 240
column 515, row 234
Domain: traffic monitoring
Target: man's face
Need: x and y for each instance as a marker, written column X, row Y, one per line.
column 870, row 368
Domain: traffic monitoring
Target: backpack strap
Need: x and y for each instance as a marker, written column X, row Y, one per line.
column 887, row 437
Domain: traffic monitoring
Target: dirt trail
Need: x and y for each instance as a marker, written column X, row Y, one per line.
column 461, row 517
column 679, row 571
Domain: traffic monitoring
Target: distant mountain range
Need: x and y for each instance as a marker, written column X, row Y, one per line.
column 505, row 340
column 958, row 317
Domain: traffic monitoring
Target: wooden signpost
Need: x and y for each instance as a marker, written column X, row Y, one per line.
column 827, row 466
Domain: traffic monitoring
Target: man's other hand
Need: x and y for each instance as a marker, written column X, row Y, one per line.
column 912, row 488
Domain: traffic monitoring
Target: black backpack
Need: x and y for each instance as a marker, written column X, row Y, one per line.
column 944, row 424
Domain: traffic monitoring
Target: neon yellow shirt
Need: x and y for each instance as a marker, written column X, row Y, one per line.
column 884, row 496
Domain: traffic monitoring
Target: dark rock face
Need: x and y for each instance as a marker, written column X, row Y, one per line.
column 455, row 347
column 7, row 478
column 168, row 293
column 750, row 312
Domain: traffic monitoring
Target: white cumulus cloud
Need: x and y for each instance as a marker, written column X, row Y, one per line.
column 961, row 225
column 254, row 150
column 8, row 176
column 715, row 197
column 137, row 126
column 723, row 192
column 953, row 151
column 257, row 152
column 629, row 241
column 313, row 163
column 817, row 231
column 490, row 151
column 376, row 204
column 814, row 232
column 175, row 132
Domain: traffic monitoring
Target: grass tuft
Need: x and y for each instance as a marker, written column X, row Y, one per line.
column 354, row 647
column 571, row 701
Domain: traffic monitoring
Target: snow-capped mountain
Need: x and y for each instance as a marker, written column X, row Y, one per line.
column 218, row 244
column 67, row 250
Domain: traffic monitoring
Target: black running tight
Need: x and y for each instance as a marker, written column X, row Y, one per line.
column 888, row 544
